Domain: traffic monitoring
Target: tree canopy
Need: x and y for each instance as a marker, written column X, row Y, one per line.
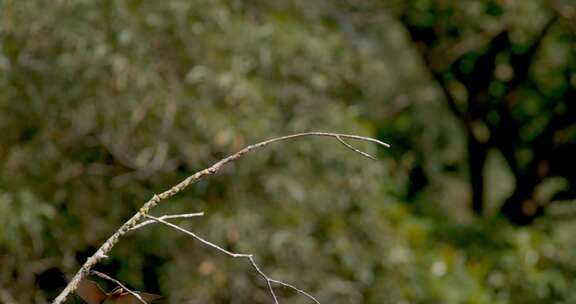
column 104, row 103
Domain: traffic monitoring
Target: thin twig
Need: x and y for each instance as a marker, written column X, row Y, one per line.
column 157, row 198
column 354, row 149
column 295, row 288
column 166, row 217
column 203, row 241
column 248, row 256
column 106, row 277
column 262, row 274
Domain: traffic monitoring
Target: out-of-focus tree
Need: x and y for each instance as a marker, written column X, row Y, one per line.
column 507, row 72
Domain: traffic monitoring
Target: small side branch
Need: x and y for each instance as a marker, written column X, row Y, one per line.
column 167, row 217
column 106, row 277
column 248, row 256
column 354, row 149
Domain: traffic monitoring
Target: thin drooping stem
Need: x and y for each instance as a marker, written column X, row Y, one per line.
column 248, row 256
column 218, row 248
column 157, row 198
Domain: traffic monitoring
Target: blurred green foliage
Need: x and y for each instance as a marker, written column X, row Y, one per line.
column 104, row 103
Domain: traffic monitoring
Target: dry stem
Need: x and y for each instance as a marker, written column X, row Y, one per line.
column 157, row 198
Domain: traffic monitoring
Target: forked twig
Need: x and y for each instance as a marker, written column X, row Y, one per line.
column 248, row 256
column 157, row 198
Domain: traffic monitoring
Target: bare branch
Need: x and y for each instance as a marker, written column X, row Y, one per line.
column 157, row 198
column 248, row 256
column 203, row 241
column 166, row 217
column 106, row 277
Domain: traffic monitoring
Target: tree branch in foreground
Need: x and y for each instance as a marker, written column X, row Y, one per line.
column 157, row 198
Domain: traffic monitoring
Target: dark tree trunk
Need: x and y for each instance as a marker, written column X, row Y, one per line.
column 476, row 159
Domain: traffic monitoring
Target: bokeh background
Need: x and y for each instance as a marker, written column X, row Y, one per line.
column 104, row 103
